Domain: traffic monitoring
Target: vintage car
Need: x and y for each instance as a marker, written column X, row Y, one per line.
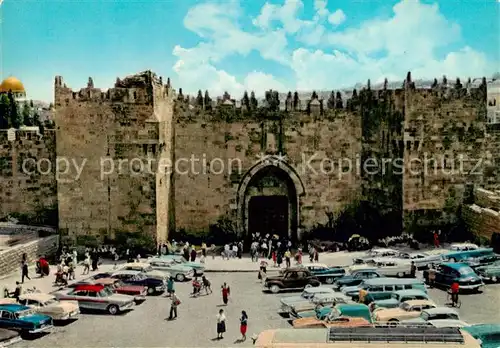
column 137, row 278
column 334, row 322
column 487, row 334
column 437, row 313
column 490, row 273
column 485, row 260
column 341, row 310
column 463, row 256
column 422, row 260
column 96, row 297
column 463, row 247
column 306, row 295
column 47, row 304
column 445, row 274
column 8, row 337
column 406, row 310
column 447, row 323
column 382, row 288
column 291, row 279
column 324, row 273
column 398, row 297
column 318, row 301
column 382, row 252
column 390, row 267
column 178, row 271
column 356, row 277
column 138, row 291
column 197, row 267
column 23, row 319
column 147, row 269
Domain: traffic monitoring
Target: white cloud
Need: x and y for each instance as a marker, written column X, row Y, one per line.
column 330, row 58
column 336, row 18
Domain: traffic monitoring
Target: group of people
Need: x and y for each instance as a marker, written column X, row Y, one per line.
column 233, row 250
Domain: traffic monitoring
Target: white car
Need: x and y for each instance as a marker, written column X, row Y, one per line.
column 388, row 267
column 421, row 260
column 447, row 323
column 463, row 246
column 382, row 252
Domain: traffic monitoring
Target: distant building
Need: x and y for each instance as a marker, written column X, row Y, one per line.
column 494, row 102
column 12, row 84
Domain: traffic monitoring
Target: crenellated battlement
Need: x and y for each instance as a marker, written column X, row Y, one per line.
column 142, row 88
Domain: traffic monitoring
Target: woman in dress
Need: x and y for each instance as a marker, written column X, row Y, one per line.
column 243, row 325
column 225, row 293
column 221, row 324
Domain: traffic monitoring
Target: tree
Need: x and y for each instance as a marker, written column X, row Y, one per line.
column 253, row 101
column 458, row 84
column 330, row 104
column 31, row 104
column 289, row 99
column 408, row 78
column 36, row 119
column 15, row 116
column 199, row 99
column 368, row 85
column 226, row 96
column 207, row 101
column 435, row 83
column 295, row 101
column 275, row 101
column 385, row 84
column 4, row 111
column 246, row 101
column 180, row 96
column 445, row 81
column 338, row 101
column 314, row 95
column 26, row 115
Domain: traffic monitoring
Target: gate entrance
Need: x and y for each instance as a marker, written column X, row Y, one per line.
column 268, row 215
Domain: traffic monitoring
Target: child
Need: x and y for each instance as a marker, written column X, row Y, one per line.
column 243, row 325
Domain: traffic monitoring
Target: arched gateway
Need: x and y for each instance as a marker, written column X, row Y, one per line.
column 268, row 200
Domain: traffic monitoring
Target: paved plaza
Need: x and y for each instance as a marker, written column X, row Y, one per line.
column 146, row 324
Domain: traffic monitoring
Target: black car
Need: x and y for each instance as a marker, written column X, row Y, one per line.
column 356, row 278
column 153, row 285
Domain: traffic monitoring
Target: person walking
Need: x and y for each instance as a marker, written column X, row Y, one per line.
column 288, row 256
column 263, row 270
column 24, row 271
column 274, row 258
column 221, row 324
column 243, row 325
column 436, row 240
column 316, row 255
column 225, row 293
column 203, row 250
column 193, row 255
column 413, row 269
column 173, row 306
column 279, row 259
column 86, row 264
column 170, row 286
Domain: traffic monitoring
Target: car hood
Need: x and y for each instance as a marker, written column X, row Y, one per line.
column 391, row 312
column 349, row 289
column 305, row 322
column 63, row 306
column 131, row 288
column 387, row 303
column 291, row 299
column 36, row 318
column 307, row 314
column 194, row 265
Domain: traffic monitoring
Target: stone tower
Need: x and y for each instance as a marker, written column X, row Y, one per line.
column 119, row 143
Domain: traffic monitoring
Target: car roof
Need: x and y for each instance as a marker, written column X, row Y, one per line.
column 37, row 296
column 455, row 265
column 314, row 265
column 295, row 269
column 351, row 306
column 386, row 259
column 89, row 287
column 410, row 292
column 136, row 264
column 419, row 302
column 396, row 281
column 127, row 271
column 105, row 281
column 440, row 310
column 319, row 289
column 14, row 307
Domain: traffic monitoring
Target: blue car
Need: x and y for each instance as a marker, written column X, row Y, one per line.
column 488, row 334
column 356, row 278
column 325, row 273
column 24, row 319
column 197, row 267
column 446, row 274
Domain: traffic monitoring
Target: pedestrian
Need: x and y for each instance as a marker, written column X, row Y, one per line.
column 240, row 249
column 24, row 271
column 71, row 271
column 86, row 264
column 75, row 257
column 436, row 240
column 203, row 249
column 316, row 255
column 274, row 258
column 186, row 253
column 173, row 306
column 279, row 259
column 193, row 255
column 170, row 286
column 221, row 324
column 226, row 252
column 235, row 250
column 18, row 291
column 225, row 293
column 288, row 256
column 243, row 325
column 263, row 270
column 413, row 269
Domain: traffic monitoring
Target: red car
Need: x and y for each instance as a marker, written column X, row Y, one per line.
column 138, row 291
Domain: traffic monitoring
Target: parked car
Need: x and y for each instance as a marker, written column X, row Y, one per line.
column 324, row 273
column 447, row 323
column 487, row 334
column 462, row 256
column 317, row 301
column 306, row 295
column 313, row 322
column 138, row 291
column 178, row 271
column 153, row 285
column 489, row 273
column 382, row 288
column 147, row 269
column 197, row 267
column 23, row 319
column 382, row 252
column 356, row 278
column 342, row 310
column 398, row 297
column 437, row 313
column 446, row 274
column 406, row 310
column 391, row 267
column 96, row 297
column 47, row 304
column 291, row 279
column 422, row 260
column 463, row 246
column 8, row 337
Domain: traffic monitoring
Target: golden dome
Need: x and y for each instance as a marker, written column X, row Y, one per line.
column 11, row 84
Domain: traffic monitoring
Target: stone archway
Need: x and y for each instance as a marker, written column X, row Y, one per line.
column 268, row 200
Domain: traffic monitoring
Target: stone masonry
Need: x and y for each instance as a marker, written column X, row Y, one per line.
column 483, row 216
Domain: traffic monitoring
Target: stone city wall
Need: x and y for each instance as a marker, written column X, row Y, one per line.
column 483, row 217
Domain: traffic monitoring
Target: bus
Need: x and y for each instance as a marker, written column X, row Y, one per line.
column 366, row 337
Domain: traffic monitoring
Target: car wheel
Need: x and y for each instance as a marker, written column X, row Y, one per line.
column 329, row 280
column 400, row 274
column 393, row 322
column 180, row 277
column 275, row 289
column 151, row 291
column 113, row 309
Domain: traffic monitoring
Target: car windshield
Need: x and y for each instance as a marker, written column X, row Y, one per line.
column 25, row 313
column 105, row 292
column 465, row 271
column 404, row 306
column 50, row 302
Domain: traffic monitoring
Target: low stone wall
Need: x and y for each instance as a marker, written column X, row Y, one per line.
column 483, row 217
column 10, row 259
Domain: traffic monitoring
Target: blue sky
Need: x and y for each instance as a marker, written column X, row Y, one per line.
column 247, row 44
